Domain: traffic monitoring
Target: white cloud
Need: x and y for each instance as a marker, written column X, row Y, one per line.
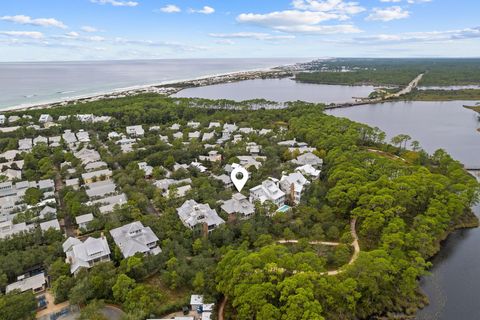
column 204, row 10
column 116, row 3
column 170, row 8
column 307, row 16
column 431, row 36
column 388, row 14
column 23, row 34
column 298, row 22
column 392, row 0
column 72, row 34
column 251, row 35
column 335, row 6
column 42, row 22
column 95, row 39
column 418, row 1
column 89, row 29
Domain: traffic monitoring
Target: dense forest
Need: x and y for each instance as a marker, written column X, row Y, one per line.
column 403, row 200
column 398, row 72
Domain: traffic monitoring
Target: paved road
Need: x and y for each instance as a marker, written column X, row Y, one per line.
column 412, row 85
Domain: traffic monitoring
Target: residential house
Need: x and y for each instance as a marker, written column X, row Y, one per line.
column 13, row 119
column 253, row 148
column 148, row 170
column 114, row 135
column 293, row 185
column 239, row 204
column 192, row 213
column 249, row 161
column 83, row 136
column 87, row 155
column 95, row 165
column 70, row 138
column 37, row 284
column 264, row 132
column 8, row 229
column 214, row 125
column 135, row 131
column 208, row 136
column 3, row 119
column 12, row 174
column 309, row 171
column 268, row 190
column 85, row 117
column 47, row 211
column 90, row 177
column 83, row 220
column 54, row 141
column 52, row 224
column 308, row 158
column 44, row 118
column 213, row 156
column 175, row 127
column 227, row 181
column 108, row 204
column 74, row 183
column 178, row 135
column 246, row 130
column 193, row 124
column 194, row 135
column 135, row 238
column 198, row 166
column 40, row 139
column 25, row 144
column 85, row 254
column 100, row 189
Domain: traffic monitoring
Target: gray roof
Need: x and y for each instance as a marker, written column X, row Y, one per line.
column 133, row 238
column 99, row 173
column 100, row 188
column 50, row 224
column 32, row 283
column 238, row 204
column 84, row 218
column 81, row 254
column 192, row 213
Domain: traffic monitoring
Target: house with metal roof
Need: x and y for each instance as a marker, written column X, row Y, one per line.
column 192, row 214
column 134, row 238
column 36, row 283
column 85, row 254
column 239, row 204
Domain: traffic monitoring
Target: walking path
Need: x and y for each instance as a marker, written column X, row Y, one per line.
column 356, row 253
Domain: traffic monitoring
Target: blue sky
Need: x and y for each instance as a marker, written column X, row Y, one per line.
column 32, row 30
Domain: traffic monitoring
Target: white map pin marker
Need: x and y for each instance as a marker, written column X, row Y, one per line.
column 239, row 183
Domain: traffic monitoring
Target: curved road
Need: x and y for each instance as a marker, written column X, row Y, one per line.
column 356, row 253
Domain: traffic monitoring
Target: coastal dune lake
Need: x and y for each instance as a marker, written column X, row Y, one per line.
column 280, row 90
column 453, row 284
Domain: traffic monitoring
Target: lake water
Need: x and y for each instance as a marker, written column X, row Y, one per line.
column 454, row 285
column 280, row 90
column 42, row 82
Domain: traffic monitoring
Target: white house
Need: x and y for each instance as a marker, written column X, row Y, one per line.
column 239, row 204
column 8, row 229
column 308, row 158
column 268, row 190
column 135, row 238
column 52, row 224
column 309, row 171
column 44, row 118
column 192, row 213
column 83, row 220
column 25, row 144
column 85, row 254
column 3, row 119
column 193, row 124
column 36, row 284
column 293, row 183
column 148, row 170
column 135, row 131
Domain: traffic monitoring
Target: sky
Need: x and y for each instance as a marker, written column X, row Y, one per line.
column 63, row 30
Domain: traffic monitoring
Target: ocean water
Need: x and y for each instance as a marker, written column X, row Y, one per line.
column 42, row 82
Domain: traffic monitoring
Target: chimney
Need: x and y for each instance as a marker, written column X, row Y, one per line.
column 102, row 235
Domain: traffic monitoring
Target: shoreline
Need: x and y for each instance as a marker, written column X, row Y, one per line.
column 166, row 87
